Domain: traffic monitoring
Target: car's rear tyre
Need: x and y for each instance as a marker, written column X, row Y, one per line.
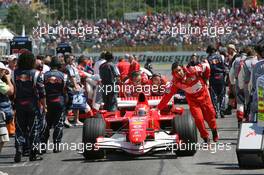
column 185, row 127
column 92, row 129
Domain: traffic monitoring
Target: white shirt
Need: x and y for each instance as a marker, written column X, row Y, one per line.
column 242, row 74
column 232, row 74
column 97, row 65
column 45, row 68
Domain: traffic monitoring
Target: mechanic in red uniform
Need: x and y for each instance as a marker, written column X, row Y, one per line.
column 135, row 84
column 158, row 85
column 123, row 66
column 134, row 65
column 191, row 80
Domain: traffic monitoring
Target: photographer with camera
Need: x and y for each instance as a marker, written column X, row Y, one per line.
column 6, row 89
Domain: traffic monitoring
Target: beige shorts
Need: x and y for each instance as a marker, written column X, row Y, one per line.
column 4, row 137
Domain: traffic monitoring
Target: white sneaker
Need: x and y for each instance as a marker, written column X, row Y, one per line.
column 78, row 123
column 67, row 124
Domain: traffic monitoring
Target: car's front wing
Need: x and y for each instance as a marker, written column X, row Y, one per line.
column 162, row 142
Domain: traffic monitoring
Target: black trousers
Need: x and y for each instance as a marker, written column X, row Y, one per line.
column 27, row 127
column 55, row 118
column 217, row 92
column 109, row 98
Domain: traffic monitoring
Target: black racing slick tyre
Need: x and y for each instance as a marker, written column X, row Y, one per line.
column 92, row 129
column 185, row 127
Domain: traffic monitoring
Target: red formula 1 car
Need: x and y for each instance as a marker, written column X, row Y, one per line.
column 137, row 128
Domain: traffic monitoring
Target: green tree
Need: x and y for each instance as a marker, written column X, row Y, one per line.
column 18, row 16
column 72, row 9
column 94, row 9
column 115, row 9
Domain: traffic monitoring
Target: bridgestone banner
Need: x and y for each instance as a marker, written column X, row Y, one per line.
column 156, row 57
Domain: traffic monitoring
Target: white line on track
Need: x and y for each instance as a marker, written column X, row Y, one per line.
column 25, row 164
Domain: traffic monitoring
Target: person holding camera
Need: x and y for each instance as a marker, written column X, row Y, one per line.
column 6, row 89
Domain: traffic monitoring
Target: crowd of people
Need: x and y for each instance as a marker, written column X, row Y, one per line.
column 38, row 93
column 246, row 27
column 204, row 83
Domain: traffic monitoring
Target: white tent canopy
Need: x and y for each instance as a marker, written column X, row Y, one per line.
column 6, row 34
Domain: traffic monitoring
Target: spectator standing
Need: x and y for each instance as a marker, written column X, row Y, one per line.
column 73, row 85
column 109, row 74
column 244, row 80
column 233, row 77
column 6, row 89
column 231, row 56
column 11, row 66
column 99, row 62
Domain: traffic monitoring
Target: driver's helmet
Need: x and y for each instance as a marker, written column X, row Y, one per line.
column 142, row 110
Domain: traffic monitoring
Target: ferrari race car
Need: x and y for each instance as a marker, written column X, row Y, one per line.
column 137, row 128
column 92, row 95
column 250, row 145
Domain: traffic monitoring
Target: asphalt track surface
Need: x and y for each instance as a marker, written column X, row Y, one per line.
column 71, row 162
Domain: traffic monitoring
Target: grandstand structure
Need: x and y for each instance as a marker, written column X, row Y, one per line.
column 145, row 25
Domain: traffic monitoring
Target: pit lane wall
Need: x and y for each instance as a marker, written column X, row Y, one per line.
column 183, row 57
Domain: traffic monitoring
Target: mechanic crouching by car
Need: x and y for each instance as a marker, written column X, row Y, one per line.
column 55, row 82
column 29, row 99
column 136, row 84
column 109, row 74
column 191, row 80
column 158, row 85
